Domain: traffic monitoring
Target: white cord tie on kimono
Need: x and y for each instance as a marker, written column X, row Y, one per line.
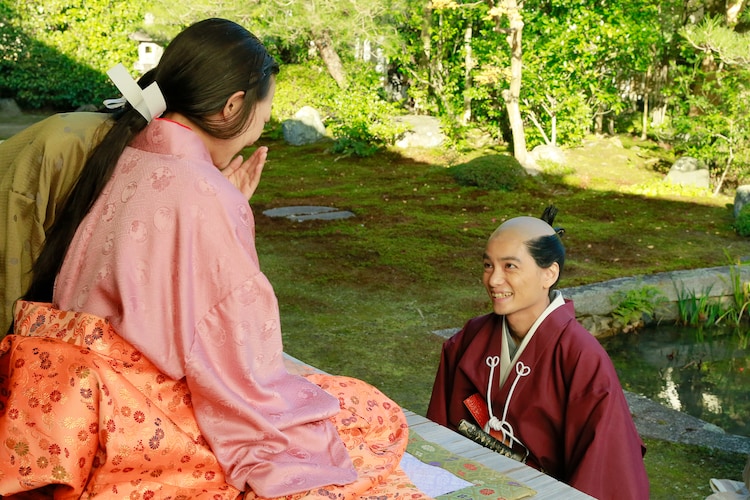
column 494, row 423
column 149, row 102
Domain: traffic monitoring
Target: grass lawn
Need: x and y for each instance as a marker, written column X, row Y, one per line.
column 362, row 296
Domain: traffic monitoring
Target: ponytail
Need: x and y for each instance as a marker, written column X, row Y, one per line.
column 94, row 176
column 200, row 69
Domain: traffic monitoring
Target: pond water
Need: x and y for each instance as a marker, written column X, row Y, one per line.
column 702, row 372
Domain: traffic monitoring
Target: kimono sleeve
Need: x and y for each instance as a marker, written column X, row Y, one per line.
column 442, row 388
column 452, row 385
column 268, row 429
column 604, row 453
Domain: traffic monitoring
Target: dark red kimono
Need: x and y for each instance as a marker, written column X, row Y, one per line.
column 569, row 411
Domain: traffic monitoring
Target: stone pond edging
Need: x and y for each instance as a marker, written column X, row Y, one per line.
column 593, row 309
column 593, row 303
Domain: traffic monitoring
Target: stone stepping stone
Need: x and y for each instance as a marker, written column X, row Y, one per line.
column 447, row 332
column 308, row 212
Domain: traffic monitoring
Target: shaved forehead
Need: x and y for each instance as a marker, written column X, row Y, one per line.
column 528, row 228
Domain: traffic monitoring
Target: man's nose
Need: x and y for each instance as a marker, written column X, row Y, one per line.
column 497, row 277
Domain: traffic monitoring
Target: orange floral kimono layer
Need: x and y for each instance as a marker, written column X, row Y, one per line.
column 83, row 414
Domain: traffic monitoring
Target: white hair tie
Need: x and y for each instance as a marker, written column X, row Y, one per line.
column 149, row 102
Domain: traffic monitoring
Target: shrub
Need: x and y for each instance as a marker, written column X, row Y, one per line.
column 299, row 85
column 358, row 118
column 742, row 224
column 54, row 54
column 494, row 173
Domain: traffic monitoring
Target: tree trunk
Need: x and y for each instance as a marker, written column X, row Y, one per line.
column 644, row 117
column 513, row 94
column 727, row 165
column 734, row 9
column 553, row 132
column 331, row 58
column 598, row 122
column 658, row 102
column 468, row 65
column 426, row 35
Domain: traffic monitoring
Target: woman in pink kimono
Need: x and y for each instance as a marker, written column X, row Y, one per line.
column 147, row 358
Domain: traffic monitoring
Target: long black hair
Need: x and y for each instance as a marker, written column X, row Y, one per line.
column 200, row 69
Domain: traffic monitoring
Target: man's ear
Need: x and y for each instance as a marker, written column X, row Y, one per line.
column 233, row 104
column 551, row 274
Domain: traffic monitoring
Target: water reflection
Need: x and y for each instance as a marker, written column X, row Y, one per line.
column 670, row 394
column 702, row 373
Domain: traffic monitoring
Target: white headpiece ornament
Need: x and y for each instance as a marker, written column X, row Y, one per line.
column 149, row 102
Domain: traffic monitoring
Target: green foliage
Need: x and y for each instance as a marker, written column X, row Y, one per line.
column 492, row 172
column 697, row 309
column 299, row 85
column 55, row 53
column 569, row 107
column 742, row 223
column 724, row 43
column 584, row 62
column 712, row 121
column 359, row 119
column 740, row 295
column 701, row 309
column 631, row 306
column 355, row 139
column 578, row 58
column 714, row 125
column 433, row 59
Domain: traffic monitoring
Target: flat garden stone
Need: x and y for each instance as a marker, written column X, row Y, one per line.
column 308, row 212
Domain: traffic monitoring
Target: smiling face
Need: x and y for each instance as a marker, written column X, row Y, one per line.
column 516, row 285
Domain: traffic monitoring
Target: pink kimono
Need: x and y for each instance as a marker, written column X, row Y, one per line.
column 167, row 256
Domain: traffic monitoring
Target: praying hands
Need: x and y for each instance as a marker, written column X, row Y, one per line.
column 245, row 174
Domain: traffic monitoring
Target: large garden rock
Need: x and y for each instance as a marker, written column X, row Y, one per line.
column 689, row 171
column 741, row 198
column 305, row 128
column 8, row 107
column 548, row 153
column 425, row 132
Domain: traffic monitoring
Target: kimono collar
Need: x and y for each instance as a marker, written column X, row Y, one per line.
column 522, row 370
column 167, row 137
column 505, row 352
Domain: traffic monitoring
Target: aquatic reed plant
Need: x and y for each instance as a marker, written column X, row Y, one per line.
column 698, row 309
column 739, row 297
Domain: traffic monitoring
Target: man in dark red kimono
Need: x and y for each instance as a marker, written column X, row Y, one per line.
column 532, row 376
